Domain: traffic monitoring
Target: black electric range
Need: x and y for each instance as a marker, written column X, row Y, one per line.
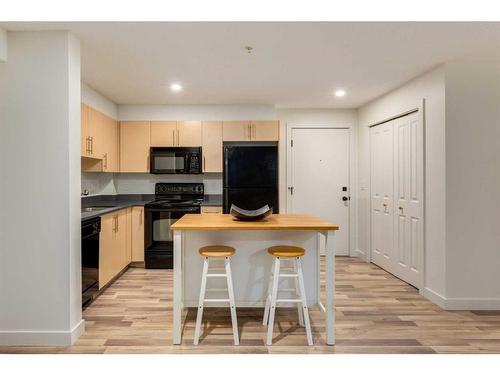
column 172, row 201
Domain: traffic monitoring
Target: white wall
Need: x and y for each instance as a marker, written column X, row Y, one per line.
column 473, row 185
column 99, row 101
column 40, row 284
column 431, row 87
column 196, row 112
column 3, row 45
column 345, row 118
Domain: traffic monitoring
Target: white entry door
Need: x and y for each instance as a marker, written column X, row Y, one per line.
column 397, row 197
column 318, row 178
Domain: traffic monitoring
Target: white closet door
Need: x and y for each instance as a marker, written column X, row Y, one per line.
column 408, row 199
column 382, row 174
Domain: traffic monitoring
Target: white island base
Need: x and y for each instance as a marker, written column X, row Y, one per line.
column 250, row 266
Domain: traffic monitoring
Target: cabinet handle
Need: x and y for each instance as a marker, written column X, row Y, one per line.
column 178, row 138
column 92, row 145
column 249, row 132
column 106, row 161
column 173, row 137
column 204, row 164
column 254, row 132
column 88, row 145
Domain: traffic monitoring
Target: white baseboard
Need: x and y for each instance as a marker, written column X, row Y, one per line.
column 461, row 303
column 434, row 297
column 42, row 338
column 359, row 253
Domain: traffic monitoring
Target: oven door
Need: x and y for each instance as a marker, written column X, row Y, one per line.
column 158, row 222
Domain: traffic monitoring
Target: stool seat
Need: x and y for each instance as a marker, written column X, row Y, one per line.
column 286, row 251
column 217, row 251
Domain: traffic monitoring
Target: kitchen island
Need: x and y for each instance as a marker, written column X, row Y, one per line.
column 251, row 265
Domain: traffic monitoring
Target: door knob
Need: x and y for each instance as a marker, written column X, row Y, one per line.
column 345, row 199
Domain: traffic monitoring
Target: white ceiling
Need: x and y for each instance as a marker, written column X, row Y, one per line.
column 292, row 64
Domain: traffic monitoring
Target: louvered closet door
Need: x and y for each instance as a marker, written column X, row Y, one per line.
column 382, row 174
column 408, row 198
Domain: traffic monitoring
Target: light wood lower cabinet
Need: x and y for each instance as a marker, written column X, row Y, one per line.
column 211, row 209
column 137, row 234
column 113, row 252
column 135, row 138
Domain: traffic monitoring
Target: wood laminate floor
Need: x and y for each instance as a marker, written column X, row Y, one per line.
column 375, row 313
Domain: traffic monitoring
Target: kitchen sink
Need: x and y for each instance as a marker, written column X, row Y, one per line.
column 96, row 208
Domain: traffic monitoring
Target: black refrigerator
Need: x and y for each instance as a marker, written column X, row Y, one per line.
column 250, row 175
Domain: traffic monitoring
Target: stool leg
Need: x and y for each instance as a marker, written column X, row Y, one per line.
column 201, row 301
column 304, row 302
column 231, row 301
column 274, row 294
column 297, row 291
column 268, row 296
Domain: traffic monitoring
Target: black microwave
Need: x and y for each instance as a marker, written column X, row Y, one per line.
column 175, row 160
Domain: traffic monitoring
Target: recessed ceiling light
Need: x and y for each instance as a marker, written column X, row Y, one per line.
column 176, row 87
column 340, row 93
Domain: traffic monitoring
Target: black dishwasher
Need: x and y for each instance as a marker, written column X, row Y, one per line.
column 90, row 259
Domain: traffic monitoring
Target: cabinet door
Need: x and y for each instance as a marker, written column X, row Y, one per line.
column 134, row 146
column 84, row 132
column 122, row 250
column 236, row 130
column 137, row 234
column 95, row 126
column 110, row 161
column 212, row 146
column 265, row 130
column 211, row 209
column 163, row 133
column 189, row 133
column 107, row 245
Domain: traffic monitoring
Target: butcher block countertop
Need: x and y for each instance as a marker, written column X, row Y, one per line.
column 272, row 222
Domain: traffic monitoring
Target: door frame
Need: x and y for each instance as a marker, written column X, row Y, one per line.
column 420, row 109
column 352, row 171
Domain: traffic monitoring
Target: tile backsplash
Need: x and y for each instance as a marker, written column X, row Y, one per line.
column 143, row 183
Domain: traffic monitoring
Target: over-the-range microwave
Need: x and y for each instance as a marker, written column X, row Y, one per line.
column 175, row 160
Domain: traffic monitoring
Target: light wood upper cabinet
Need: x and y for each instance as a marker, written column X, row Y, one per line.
column 212, row 146
column 265, row 131
column 236, row 130
column 110, row 142
column 175, row 133
column 135, row 138
column 84, row 133
column 91, row 136
column 189, row 133
column 163, row 133
column 112, row 246
column 137, row 234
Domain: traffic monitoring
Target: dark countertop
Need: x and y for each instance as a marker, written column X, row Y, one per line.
column 121, row 201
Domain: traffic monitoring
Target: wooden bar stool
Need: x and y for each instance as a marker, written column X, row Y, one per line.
column 216, row 252
column 294, row 254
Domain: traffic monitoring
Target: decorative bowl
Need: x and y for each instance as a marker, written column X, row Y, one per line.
column 250, row 215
